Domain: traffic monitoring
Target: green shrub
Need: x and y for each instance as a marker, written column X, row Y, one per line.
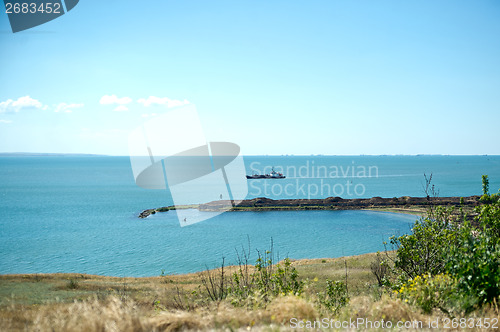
column 475, row 263
column 285, row 279
column 253, row 286
column 424, row 251
column 485, row 199
column 468, row 256
column 335, row 296
column 268, row 279
column 489, row 219
column 486, row 184
column 428, row 292
column 73, row 284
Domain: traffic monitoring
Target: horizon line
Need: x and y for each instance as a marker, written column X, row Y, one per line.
column 41, row 154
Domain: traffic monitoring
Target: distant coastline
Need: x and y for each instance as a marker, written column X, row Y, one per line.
column 42, row 154
column 405, row 204
column 48, row 154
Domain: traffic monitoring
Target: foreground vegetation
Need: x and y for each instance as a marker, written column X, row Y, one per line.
column 446, row 273
column 448, row 263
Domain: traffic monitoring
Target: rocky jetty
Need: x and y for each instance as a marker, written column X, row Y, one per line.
column 330, row 203
column 148, row 212
column 338, row 203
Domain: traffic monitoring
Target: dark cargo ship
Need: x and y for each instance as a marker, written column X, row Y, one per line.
column 273, row 175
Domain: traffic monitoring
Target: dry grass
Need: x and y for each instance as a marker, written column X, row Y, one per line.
column 114, row 314
column 76, row 302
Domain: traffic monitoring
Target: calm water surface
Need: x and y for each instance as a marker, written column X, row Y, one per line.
column 79, row 214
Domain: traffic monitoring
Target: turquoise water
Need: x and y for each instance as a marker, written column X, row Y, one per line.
column 397, row 175
column 79, row 214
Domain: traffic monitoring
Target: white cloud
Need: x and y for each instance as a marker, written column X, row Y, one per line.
column 22, row 102
column 113, row 99
column 121, row 108
column 5, row 121
column 167, row 102
column 67, row 108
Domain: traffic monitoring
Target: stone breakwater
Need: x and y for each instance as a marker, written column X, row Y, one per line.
column 148, row 212
column 330, row 203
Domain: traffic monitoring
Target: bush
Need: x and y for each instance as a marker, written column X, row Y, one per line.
column 489, row 218
column 335, row 296
column 475, row 260
column 428, row 292
column 254, row 286
column 420, row 253
column 284, row 279
column 380, row 269
column 73, row 284
column 485, row 199
column 440, row 251
column 267, row 281
column 475, row 264
column 486, row 184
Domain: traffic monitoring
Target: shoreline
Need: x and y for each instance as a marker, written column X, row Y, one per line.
column 404, row 204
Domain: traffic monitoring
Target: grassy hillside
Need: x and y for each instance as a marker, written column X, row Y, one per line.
column 78, row 302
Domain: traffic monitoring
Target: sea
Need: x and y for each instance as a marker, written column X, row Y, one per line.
column 79, row 214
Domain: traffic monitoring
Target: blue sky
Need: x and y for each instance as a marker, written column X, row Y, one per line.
column 275, row 77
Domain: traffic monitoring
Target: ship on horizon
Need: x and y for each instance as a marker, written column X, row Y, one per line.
column 272, row 175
